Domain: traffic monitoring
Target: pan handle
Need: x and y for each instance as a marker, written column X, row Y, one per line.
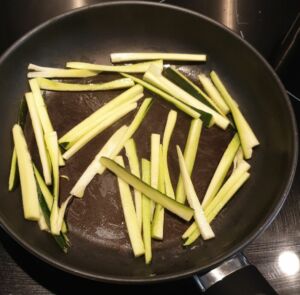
column 235, row 276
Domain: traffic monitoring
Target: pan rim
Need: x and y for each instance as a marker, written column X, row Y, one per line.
column 239, row 246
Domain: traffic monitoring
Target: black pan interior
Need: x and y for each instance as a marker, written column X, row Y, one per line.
column 100, row 246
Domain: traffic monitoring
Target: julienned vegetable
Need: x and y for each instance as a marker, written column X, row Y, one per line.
column 193, row 200
column 134, row 56
column 30, row 200
column 247, row 136
column 88, row 123
column 47, row 84
column 190, row 152
column 177, row 103
column 95, row 165
column 134, row 68
column 12, row 179
column 130, row 216
column 180, row 210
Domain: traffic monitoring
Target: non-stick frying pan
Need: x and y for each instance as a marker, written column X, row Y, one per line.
column 100, row 246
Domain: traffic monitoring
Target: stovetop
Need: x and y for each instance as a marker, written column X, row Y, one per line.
column 276, row 253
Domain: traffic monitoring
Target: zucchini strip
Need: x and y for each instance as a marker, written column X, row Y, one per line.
column 190, row 153
column 239, row 157
column 210, row 217
column 133, row 228
column 169, row 128
column 43, row 112
column 46, row 72
column 180, row 210
column 135, row 56
column 159, row 213
column 47, row 84
column 193, row 200
column 221, row 170
column 47, row 195
column 154, row 76
column 186, row 84
column 134, row 125
column 12, row 179
column 146, row 205
column 95, row 165
column 131, row 153
column 135, row 68
column 113, row 117
column 177, row 103
column 30, row 201
column 42, row 222
column 213, row 93
column 39, row 137
column 247, row 136
column 77, row 131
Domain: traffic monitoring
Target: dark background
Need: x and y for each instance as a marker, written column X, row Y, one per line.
column 263, row 23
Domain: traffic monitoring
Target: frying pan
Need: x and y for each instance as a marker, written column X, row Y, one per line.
column 100, row 246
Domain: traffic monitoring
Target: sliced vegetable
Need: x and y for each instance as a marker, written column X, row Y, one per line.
column 131, row 153
column 193, row 200
column 39, row 137
column 146, row 205
column 12, row 179
column 47, row 84
column 30, row 201
column 183, row 82
column 239, row 157
column 181, row 106
column 190, row 152
column 134, row 125
column 180, row 210
column 213, row 93
column 113, row 117
column 42, row 223
column 93, row 168
column 210, row 217
column 135, row 68
column 158, row 218
column 42, row 111
column 171, row 121
column 222, row 170
column 154, row 76
column 133, row 228
column 76, row 132
column 133, row 56
column 247, row 136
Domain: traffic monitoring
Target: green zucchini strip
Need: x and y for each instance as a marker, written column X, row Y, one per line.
column 193, row 200
column 135, row 68
column 190, row 153
column 77, row 131
column 30, row 201
column 42, row 222
column 60, row 239
column 239, row 157
column 221, row 170
column 93, row 169
column 47, row 84
column 211, row 216
column 46, row 72
column 47, row 195
column 12, row 179
column 181, row 106
column 180, row 210
column 158, row 218
column 39, row 137
column 113, row 117
column 132, row 224
column 247, row 136
column 213, row 93
column 146, row 210
column 154, row 76
column 134, row 125
column 51, row 139
column 136, row 56
column 131, row 153
column 186, row 84
column 43, row 112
